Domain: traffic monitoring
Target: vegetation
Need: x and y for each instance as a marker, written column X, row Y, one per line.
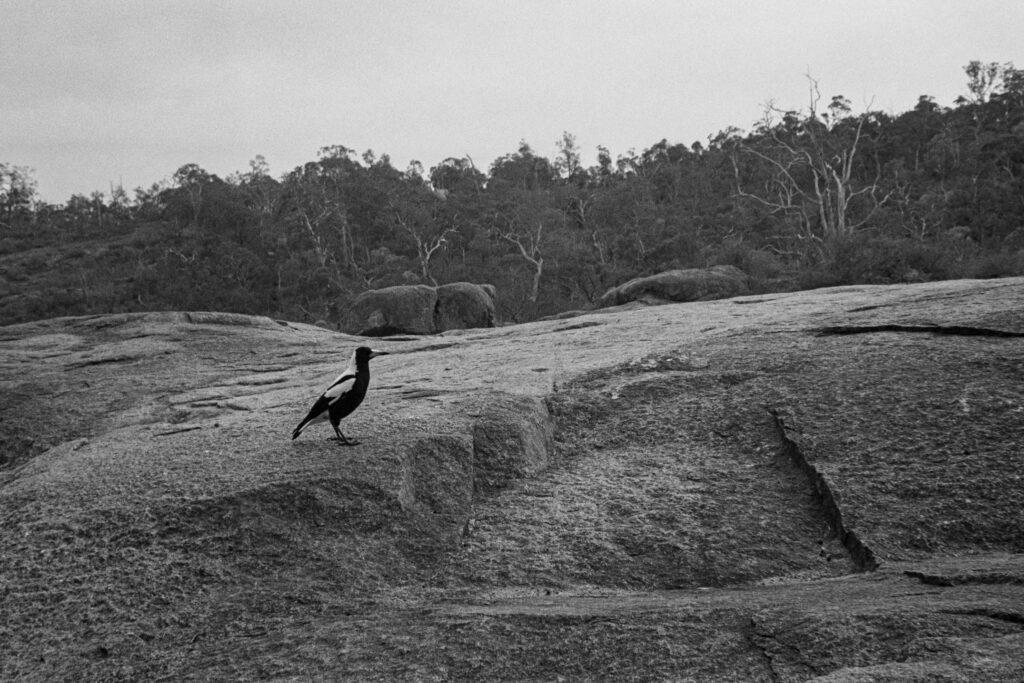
column 818, row 197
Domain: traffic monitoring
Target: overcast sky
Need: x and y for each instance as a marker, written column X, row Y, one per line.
column 100, row 91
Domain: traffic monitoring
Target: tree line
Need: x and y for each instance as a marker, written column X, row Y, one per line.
column 807, row 198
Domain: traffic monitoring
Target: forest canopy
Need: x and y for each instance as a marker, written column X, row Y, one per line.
column 821, row 196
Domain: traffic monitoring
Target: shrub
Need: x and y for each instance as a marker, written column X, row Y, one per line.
column 995, row 264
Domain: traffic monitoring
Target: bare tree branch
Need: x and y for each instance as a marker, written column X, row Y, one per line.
column 811, row 180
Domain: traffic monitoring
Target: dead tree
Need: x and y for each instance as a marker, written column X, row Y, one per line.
column 810, row 179
column 528, row 242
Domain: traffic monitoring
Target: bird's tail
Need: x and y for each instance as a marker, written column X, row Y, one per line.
column 298, row 430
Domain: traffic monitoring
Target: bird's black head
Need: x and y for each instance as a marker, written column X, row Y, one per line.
column 365, row 353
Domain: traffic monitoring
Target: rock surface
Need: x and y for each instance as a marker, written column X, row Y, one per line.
column 692, row 284
column 462, row 305
column 814, row 485
column 420, row 309
column 403, row 309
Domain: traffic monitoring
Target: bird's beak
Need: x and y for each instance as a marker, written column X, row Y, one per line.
column 374, row 354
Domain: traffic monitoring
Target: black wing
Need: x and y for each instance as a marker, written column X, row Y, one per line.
column 334, row 393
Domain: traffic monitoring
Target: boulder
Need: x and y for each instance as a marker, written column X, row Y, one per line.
column 404, row 309
column 693, row 284
column 462, row 305
column 420, row 309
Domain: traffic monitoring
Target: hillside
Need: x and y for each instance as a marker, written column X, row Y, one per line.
column 809, row 198
column 819, row 485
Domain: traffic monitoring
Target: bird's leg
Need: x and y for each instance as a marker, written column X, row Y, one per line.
column 341, row 437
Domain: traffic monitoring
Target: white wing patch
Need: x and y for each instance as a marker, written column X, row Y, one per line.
column 341, row 386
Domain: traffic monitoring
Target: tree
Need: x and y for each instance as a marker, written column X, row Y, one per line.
column 523, row 170
column 192, row 181
column 318, row 208
column 983, row 152
column 120, row 205
column 528, row 240
column 17, row 193
column 523, row 220
column 317, row 203
column 810, row 175
column 150, row 203
column 412, row 210
column 262, row 197
column 457, row 176
column 567, row 163
column 983, row 80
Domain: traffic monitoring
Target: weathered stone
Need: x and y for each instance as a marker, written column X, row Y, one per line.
column 420, row 309
column 512, row 439
column 405, row 309
column 437, row 477
column 694, row 284
column 462, row 305
column 149, row 461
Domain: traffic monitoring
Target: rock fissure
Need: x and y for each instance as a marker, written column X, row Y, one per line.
column 784, row 659
column 123, row 358
column 947, row 579
column 827, row 497
column 758, row 641
column 991, row 613
column 955, row 330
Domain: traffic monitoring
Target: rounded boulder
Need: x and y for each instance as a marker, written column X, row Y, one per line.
column 404, row 309
column 691, row 284
column 420, row 309
column 462, row 305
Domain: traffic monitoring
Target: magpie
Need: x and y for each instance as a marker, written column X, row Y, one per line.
column 344, row 395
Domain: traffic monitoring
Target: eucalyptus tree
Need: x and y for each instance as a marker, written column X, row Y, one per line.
column 809, row 174
column 17, row 194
